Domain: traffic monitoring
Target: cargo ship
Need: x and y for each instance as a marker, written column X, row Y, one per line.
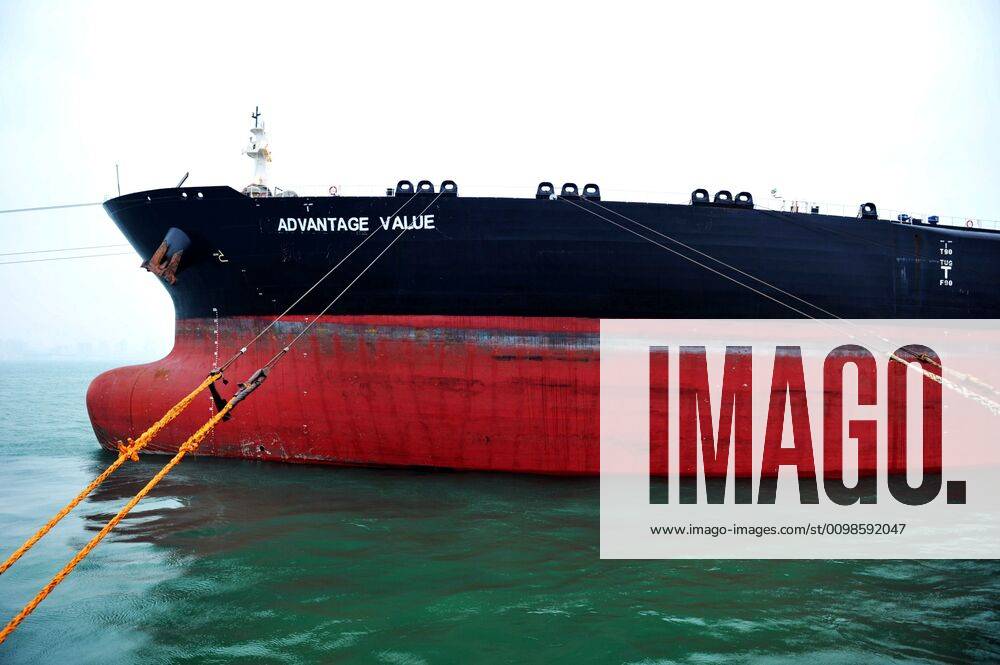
column 464, row 331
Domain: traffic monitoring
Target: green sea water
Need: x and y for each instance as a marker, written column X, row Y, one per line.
column 233, row 561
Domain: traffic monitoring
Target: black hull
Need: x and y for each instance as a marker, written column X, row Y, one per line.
column 554, row 258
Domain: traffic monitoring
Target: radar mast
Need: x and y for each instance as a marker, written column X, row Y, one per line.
column 259, row 151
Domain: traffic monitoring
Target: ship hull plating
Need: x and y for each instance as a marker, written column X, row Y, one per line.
column 513, row 394
column 473, row 342
column 487, row 393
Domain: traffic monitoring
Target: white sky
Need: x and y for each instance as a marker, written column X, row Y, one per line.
column 895, row 102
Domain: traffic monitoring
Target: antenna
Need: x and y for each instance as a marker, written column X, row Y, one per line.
column 255, row 115
column 181, row 183
column 118, row 181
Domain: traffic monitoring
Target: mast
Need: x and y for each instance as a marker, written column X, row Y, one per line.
column 258, row 150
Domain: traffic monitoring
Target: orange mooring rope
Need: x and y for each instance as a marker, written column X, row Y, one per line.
column 125, row 452
column 129, row 452
column 188, row 446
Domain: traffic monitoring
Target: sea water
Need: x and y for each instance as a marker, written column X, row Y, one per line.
column 259, row 562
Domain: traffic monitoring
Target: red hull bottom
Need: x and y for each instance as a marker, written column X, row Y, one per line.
column 511, row 394
column 477, row 393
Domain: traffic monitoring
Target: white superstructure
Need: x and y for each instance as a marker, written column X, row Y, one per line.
column 259, row 150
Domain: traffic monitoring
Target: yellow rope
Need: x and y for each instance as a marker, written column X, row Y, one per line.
column 188, row 446
column 125, row 452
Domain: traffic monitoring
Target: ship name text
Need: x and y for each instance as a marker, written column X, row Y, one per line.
column 357, row 224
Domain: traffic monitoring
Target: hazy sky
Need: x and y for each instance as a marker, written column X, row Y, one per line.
column 898, row 103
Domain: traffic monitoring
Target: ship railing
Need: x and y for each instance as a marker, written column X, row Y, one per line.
column 896, row 215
